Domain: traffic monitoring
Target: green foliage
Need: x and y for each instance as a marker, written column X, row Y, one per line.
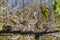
column 45, row 13
column 56, row 6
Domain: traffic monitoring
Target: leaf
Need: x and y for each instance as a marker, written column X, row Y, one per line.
column 56, row 6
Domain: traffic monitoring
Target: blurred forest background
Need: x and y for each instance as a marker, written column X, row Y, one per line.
column 30, row 15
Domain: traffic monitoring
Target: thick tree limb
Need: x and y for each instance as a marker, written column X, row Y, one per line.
column 30, row 32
